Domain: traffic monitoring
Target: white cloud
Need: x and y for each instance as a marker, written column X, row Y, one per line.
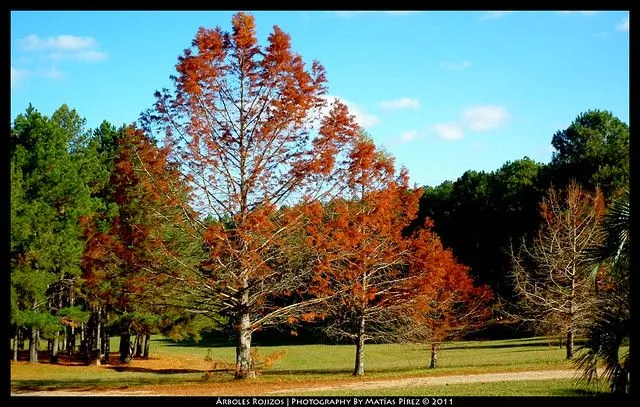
column 51, row 73
column 363, row 118
column 64, row 47
column 409, row 135
column 484, row 118
column 493, row 15
column 33, row 42
column 624, row 25
column 85, row 56
column 453, row 66
column 448, row 131
column 402, row 103
column 91, row 56
column 17, row 75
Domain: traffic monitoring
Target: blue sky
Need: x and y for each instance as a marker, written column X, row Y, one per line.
column 443, row 92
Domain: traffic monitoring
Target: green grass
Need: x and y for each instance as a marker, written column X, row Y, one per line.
column 556, row 387
column 304, row 363
column 470, row 356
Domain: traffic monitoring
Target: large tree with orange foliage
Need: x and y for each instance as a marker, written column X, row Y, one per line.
column 249, row 129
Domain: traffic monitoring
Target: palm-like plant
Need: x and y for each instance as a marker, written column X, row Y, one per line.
column 612, row 322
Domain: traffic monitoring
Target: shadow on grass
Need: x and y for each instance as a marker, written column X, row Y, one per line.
column 189, row 343
column 156, row 371
column 538, row 344
column 28, row 386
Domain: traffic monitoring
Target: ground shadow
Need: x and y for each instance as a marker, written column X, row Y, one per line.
column 27, row 386
column 74, row 360
column 537, row 343
column 190, row 343
column 124, row 368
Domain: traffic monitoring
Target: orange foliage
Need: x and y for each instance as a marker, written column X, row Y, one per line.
column 119, row 254
column 375, row 269
column 249, row 128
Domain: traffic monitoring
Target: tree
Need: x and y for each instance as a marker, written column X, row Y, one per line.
column 611, row 324
column 466, row 225
column 99, row 288
column 362, row 254
column 49, row 194
column 479, row 214
column 135, row 238
column 248, row 129
column 373, row 262
column 452, row 307
column 594, row 150
column 552, row 276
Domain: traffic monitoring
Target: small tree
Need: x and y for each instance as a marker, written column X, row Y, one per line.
column 552, row 275
column 368, row 264
column 451, row 306
column 362, row 267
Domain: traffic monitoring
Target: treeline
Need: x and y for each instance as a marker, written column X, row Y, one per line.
column 553, row 242
column 78, row 239
column 480, row 215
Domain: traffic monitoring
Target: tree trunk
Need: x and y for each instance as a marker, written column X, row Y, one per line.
column 147, row 341
column 33, row 346
column 243, row 349
column 84, row 346
column 15, row 344
column 139, row 345
column 125, row 347
column 92, row 340
column 54, row 348
column 96, row 339
column 359, row 368
column 89, row 331
column 434, row 356
column 71, row 340
column 21, row 339
column 106, row 343
column 570, row 343
column 98, row 335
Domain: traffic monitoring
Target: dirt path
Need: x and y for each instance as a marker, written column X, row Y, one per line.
column 266, row 389
column 443, row 380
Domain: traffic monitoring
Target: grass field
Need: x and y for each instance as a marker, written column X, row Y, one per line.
column 555, row 387
column 184, row 365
